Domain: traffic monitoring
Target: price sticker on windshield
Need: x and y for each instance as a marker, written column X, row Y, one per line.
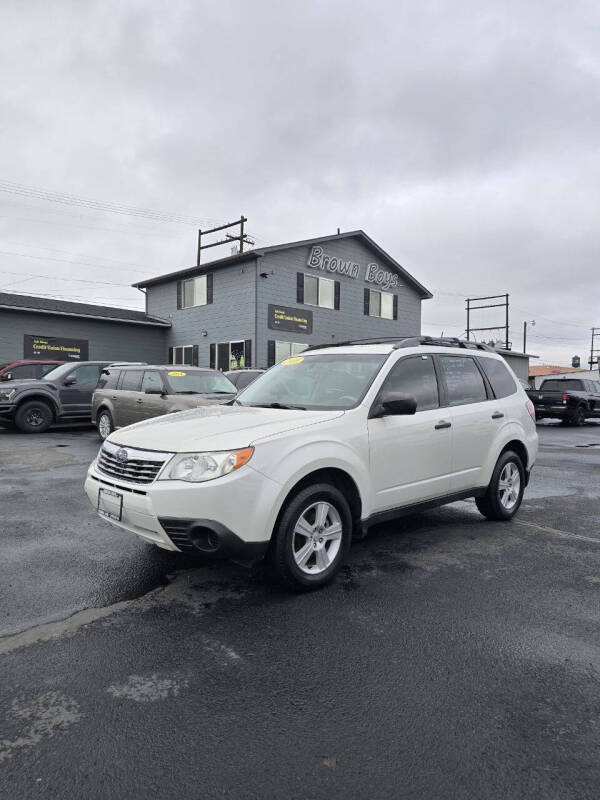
column 176, row 374
column 295, row 360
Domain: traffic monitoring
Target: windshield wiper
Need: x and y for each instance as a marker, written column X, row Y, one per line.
column 277, row 405
column 220, row 391
column 189, row 391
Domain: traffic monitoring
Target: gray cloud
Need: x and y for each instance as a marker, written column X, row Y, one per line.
column 461, row 136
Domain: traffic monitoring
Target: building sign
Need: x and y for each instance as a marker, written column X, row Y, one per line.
column 55, row 347
column 373, row 273
column 293, row 320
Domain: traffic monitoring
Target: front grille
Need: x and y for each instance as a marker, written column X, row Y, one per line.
column 139, row 466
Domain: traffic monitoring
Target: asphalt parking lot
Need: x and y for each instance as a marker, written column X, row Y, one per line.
column 453, row 658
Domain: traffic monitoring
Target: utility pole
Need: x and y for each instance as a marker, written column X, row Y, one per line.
column 525, row 324
column 595, row 349
column 242, row 238
column 470, row 307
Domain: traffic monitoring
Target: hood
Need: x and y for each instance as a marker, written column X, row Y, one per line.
column 24, row 383
column 215, row 428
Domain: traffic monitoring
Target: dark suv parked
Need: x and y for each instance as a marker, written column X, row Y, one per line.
column 19, row 370
column 64, row 394
column 132, row 393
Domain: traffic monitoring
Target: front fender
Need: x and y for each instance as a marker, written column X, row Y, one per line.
column 37, row 395
column 290, row 467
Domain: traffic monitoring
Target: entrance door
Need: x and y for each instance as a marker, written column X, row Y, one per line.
column 410, row 455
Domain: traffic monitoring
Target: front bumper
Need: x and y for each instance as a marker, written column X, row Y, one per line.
column 228, row 517
column 7, row 411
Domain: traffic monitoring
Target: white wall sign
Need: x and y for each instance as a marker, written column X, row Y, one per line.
column 318, row 259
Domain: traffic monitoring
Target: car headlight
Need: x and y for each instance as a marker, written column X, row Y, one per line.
column 197, row 467
column 6, row 397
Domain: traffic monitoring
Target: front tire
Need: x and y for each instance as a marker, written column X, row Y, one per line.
column 34, row 417
column 104, row 424
column 312, row 538
column 505, row 491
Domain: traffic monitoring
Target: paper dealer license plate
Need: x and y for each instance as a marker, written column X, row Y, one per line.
column 110, row 504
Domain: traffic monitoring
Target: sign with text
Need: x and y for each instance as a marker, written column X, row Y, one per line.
column 293, row 320
column 55, row 347
column 319, row 259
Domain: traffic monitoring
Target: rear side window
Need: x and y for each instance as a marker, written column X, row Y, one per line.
column 42, row 369
column 152, row 380
column 109, row 378
column 561, row 386
column 23, row 371
column 132, row 380
column 498, row 375
column 464, row 382
column 416, row 377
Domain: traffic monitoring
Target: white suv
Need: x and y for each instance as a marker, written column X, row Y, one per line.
column 318, row 449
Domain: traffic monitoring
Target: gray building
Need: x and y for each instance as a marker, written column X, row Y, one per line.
column 39, row 327
column 257, row 307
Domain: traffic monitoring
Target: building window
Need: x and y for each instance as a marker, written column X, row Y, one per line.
column 227, row 356
column 381, row 304
column 182, row 355
column 194, row 292
column 286, row 349
column 318, row 291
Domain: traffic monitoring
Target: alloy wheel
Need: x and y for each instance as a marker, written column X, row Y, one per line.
column 509, row 485
column 104, row 426
column 317, row 537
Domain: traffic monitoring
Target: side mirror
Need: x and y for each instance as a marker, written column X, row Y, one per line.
column 394, row 403
column 161, row 392
column 69, row 381
column 8, row 376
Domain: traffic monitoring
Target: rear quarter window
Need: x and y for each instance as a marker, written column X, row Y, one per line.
column 464, row 382
column 108, row 379
column 503, row 383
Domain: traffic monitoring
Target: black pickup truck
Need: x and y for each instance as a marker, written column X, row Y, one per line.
column 572, row 400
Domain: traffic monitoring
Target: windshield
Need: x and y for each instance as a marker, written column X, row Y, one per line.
column 183, row 382
column 337, row 381
column 561, row 385
column 57, row 372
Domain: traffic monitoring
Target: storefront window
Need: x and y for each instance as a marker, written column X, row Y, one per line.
column 287, row 349
column 231, row 355
column 183, row 355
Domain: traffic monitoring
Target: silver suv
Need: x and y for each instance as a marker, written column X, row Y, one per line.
column 131, row 393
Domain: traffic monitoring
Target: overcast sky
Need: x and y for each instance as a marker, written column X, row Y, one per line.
column 463, row 137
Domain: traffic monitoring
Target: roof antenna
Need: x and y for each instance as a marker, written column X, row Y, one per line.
column 338, row 233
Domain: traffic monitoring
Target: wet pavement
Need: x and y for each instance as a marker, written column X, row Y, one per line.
column 452, row 658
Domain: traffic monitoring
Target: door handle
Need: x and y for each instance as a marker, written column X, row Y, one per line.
column 140, row 401
column 443, row 424
column 497, row 415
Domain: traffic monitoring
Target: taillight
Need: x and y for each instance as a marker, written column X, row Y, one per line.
column 531, row 408
column 565, row 398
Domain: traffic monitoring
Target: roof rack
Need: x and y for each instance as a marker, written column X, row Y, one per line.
column 409, row 341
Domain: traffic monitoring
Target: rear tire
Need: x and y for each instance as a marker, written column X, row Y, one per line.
column 312, row 538
column 104, row 424
column 505, row 491
column 578, row 418
column 34, row 417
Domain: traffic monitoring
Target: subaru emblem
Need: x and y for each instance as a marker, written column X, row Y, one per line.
column 122, row 455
